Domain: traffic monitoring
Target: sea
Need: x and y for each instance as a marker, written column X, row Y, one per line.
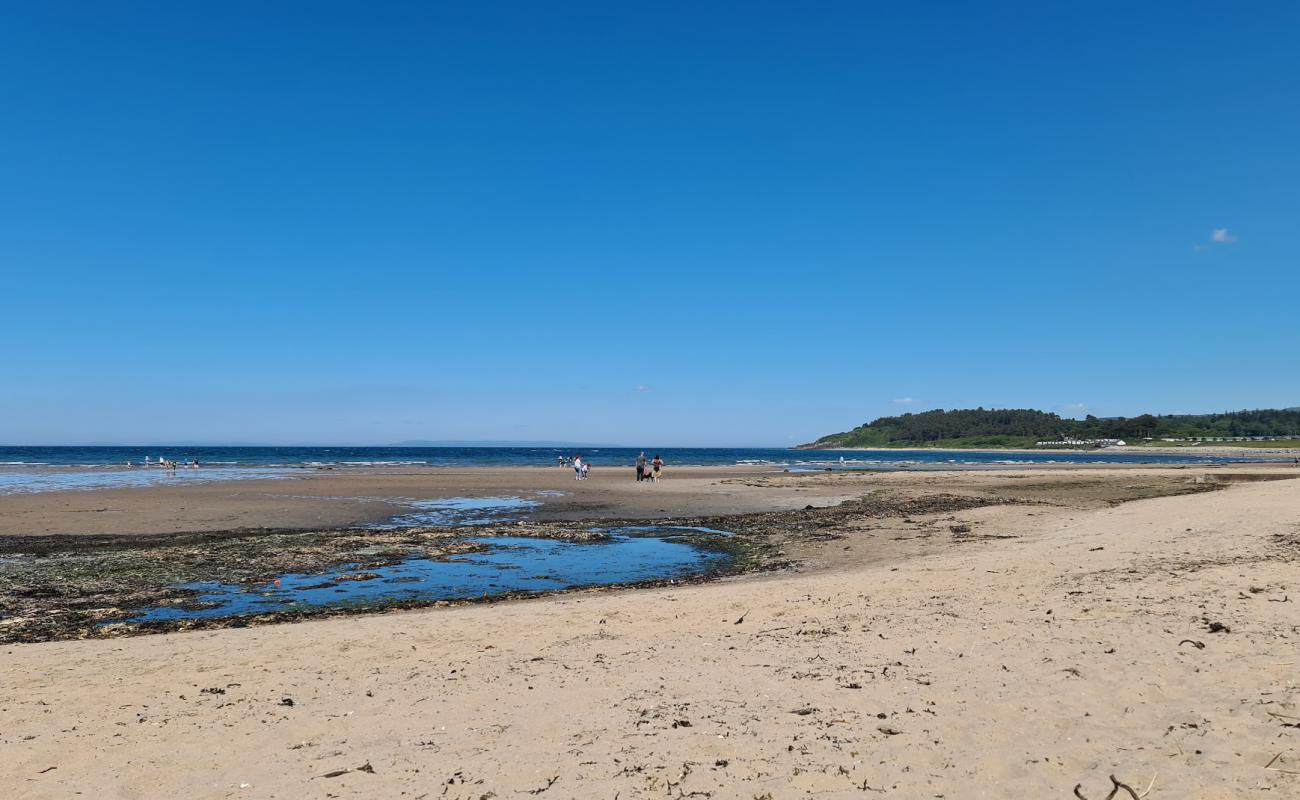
column 41, row 469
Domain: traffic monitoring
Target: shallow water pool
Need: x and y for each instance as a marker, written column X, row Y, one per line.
column 31, row 480
column 462, row 511
column 509, row 564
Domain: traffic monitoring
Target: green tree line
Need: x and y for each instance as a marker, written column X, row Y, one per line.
column 1021, row 426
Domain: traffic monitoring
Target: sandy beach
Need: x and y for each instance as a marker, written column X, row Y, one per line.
column 1134, row 622
column 449, row 401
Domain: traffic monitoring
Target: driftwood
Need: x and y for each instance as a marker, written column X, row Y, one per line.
column 338, row 772
column 549, row 783
column 1117, row 784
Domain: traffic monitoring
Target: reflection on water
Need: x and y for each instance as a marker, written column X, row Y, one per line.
column 462, row 511
column 658, row 528
column 509, row 564
column 58, row 479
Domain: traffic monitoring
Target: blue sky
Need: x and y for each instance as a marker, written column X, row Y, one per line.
column 641, row 223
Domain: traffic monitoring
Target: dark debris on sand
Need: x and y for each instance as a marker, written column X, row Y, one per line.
column 62, row 587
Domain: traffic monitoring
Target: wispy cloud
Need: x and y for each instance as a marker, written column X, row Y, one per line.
column 642, row 388
column 904, row 401
column 1218, row 236
column 1075, row 409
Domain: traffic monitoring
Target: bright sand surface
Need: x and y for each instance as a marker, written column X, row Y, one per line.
column 1055, row 646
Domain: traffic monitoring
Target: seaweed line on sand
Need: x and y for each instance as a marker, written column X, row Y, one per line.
column 84, row 587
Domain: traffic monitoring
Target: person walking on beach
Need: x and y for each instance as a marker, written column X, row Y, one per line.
column 656, row 465
column 640, row 467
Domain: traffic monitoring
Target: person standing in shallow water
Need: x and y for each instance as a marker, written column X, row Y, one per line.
column 640, row 467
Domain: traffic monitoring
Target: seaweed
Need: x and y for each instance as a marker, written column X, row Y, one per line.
column 66, row 587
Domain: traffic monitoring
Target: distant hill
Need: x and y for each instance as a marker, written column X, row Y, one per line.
column 1022, row 427
column 490, row 443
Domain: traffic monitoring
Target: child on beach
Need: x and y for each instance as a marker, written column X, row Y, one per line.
column 656, row 465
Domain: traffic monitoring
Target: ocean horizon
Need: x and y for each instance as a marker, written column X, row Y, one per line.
column 547, row 455
column 56, row 468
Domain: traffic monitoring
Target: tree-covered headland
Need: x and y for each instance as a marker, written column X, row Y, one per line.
column 1024, row 427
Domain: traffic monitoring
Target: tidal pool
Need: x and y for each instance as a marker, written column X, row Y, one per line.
column 462, row 511
column 661, row 528
column 508, row 564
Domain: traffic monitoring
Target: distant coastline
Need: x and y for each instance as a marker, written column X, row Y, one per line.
column 1040, row 431
column 1209, row 450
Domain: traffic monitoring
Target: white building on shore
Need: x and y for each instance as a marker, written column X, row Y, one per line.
column 1084, row 443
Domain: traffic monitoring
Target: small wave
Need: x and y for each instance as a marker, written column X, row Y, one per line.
column 76, row 480
column 378, row 463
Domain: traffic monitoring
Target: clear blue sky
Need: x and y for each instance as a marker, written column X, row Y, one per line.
column 641, row 223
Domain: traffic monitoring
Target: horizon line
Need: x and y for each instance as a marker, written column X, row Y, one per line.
column 488, row 445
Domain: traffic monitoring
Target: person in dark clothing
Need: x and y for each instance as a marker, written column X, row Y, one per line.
column 640, row 466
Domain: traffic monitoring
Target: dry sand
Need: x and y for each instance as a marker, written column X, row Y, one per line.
column 1051, row 645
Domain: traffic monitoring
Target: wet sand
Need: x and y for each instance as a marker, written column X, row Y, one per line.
column 315, row 499
column 1011, row 650
column 311, row 499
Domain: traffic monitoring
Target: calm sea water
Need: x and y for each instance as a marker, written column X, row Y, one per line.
column 37, row 469
column 280, row 457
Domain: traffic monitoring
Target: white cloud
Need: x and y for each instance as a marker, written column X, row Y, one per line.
column 1221, row 236
column 904, row 401
column 642, row 388
column 1075, row 409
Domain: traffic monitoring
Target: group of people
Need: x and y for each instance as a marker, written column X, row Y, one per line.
column 579, row 468
column 646, row 470
column 165, row 463
column 649, row 472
